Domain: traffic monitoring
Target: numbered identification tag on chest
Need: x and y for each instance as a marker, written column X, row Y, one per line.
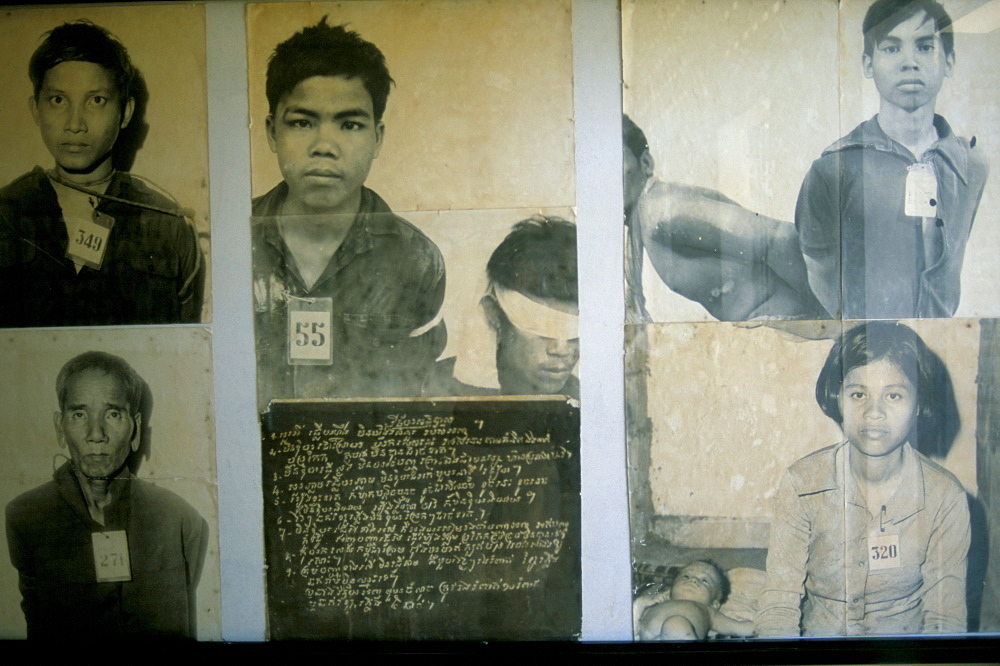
column 309, row 323
column 89, row 240
column 111, row 557
column 883, row 552
column 921, row 191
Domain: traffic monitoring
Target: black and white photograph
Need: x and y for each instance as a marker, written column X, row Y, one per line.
column 104, row 198
column 386, row 173
column 110, row 493
column 812, row 478
column 810, row 159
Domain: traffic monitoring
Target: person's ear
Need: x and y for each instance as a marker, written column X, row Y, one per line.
column 949, row 64
column 494, row 315
column 33, row 105
column 272, row 142
column 647, row 164
column 866, row 66
column 127, row 112
column 379, row 135
column 136, row 431
column 57, row 422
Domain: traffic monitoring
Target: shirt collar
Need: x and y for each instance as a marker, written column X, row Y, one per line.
column 952, row 149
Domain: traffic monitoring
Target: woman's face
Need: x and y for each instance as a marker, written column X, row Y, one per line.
column 879, row 405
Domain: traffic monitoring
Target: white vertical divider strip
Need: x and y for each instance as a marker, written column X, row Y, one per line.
column 237, row 438
column 598, row 109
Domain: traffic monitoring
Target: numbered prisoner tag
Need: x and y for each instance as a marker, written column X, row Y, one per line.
column 309, row 323
column 883, row 552
column 89, row 240
column 111, row 557
column 921, row 191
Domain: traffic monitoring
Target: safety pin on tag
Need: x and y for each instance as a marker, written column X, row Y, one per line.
column 89, row 241
column 921, row 190
column 309, row 324
column 111, row 560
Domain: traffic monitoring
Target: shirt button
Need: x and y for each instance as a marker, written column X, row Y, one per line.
column 861, row 563
column 854, row 601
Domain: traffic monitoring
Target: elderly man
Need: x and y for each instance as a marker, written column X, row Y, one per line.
column 99, row 552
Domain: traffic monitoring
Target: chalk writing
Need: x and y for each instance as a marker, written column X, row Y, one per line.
column 417, row 513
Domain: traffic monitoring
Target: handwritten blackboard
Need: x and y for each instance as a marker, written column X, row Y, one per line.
column 447, row 519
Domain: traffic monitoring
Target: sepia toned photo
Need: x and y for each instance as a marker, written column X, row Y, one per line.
column 111, row 510
column 104, row 204
column 809, row 160
column 355, row 298
column 834, row 479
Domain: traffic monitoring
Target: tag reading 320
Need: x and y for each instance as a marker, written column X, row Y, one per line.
column 309, row 323
column 883, row 552
column 89, row 240
column 111, row 557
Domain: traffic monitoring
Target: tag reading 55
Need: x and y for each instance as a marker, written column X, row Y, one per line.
column 309, row 323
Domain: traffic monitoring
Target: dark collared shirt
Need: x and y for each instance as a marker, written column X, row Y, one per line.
column 49, row 535
column 153, row 271
column 850, row 217
column 386, row 281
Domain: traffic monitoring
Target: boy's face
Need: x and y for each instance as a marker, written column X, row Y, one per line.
column 528, row 363
column 97, row 424
column 325, row 135
column 79, row 113
column 909, row 64
column 699, row 582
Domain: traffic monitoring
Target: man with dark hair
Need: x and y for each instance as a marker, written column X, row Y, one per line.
column 737, row 264
column 347, row 293
column 885, row 213
column 99, row 552
column 84, row 244
column 531, row 305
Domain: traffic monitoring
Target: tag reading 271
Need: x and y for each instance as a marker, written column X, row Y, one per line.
column 111, row 559
column 309, row 323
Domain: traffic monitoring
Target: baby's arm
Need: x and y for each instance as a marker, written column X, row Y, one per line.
column 723, row 624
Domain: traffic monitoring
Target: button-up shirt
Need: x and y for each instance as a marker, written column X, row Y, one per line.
column 821, row 548
column 850, row 218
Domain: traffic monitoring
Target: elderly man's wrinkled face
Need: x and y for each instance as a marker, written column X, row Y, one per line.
column 97, row 424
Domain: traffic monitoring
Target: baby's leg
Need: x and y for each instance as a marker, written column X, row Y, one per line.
column 675, row 620
column 678, row 628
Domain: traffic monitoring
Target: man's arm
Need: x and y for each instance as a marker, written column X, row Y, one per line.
column 191, row 290
column 817, row 221
column 727, row 626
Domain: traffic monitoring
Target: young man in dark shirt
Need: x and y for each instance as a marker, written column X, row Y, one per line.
column 347, row 293
column 83, row 244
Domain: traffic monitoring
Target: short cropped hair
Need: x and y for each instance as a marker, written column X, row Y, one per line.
column 537, row 258
column 132, row 384
column 324, row 50
column 937, row 420
column 633, row 137
column 884, row 15
column 82, row 41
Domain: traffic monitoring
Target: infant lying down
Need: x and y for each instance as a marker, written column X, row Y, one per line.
column 689, row 608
